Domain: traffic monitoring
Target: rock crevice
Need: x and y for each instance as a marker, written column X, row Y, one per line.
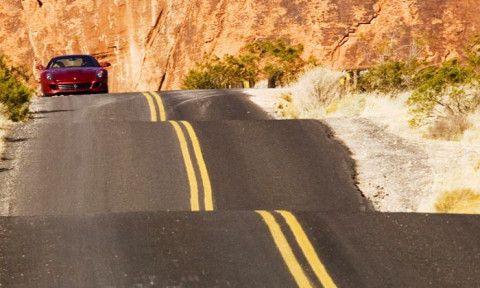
column 352, row 30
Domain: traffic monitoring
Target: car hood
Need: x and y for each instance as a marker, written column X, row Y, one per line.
column 83, row 74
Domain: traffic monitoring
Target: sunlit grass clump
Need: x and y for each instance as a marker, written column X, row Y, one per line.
column 462, row 201
column 285, row 108
column 315, row 90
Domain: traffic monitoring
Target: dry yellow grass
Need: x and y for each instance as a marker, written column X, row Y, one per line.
column 315, row 90
column 462, row 201
column 285, row 108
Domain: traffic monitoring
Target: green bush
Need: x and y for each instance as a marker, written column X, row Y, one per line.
column 14, row 93
column 216, row 73
column 392, row 76
column 445, row 92
column 275, row 61
column 208, row 75
column 442, row 95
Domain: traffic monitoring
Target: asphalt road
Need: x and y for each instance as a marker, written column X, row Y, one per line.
column 203, row 189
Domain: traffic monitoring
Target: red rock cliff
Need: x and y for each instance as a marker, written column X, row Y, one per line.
column 152, row 43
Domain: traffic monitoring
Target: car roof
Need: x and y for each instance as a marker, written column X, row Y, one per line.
column 73, row 55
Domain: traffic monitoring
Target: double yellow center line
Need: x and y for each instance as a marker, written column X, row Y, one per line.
column 306, row 248
column 153, row 110
column 192, row 178
column 196, row 168
column 192, row 144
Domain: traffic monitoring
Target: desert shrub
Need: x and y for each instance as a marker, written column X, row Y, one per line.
column 14, row 93
column 276, row 61
column 391, row 76
column 442, row 96
column 206, row 75
column 459, row 201
column 446, row 92
column 216, row 73
column 310, row 96
column 318, row 87
column 285, row 108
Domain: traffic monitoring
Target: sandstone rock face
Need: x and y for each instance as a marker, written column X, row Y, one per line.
column 113, row 30
column 153, row 43
column 14, row 40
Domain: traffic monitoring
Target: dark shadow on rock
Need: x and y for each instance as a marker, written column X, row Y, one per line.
column 5, row 169
column 15, row 140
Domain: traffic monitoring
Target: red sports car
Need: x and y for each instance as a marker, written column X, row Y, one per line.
column 74, row 74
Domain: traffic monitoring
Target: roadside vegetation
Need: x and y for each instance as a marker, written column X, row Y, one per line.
column 14, row 97
column 463, row 201
column 276, row 61
column 433, row 103
column 14, row 92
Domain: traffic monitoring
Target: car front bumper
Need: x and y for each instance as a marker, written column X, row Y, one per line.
column 63, row 88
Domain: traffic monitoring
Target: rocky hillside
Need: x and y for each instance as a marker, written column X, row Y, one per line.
column 152, row 43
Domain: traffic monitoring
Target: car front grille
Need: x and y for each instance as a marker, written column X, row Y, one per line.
column 77, row 86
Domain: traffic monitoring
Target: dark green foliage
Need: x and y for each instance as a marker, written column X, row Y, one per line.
column 393, row 76
column 207, row 76
column 276, row 61
column 216, row 73
column 444, row 92
column 14, row 93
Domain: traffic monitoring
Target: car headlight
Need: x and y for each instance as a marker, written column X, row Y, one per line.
column 49, row 77
column 101, row 74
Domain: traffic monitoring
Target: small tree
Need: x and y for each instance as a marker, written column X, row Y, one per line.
column 277, row 61
column 14, row 93
column 206, row 75
column 392, row 76
column 446, row 91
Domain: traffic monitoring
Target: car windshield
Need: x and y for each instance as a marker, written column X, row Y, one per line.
column 73, row 61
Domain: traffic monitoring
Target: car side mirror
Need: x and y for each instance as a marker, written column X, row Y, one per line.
column 105, row 64
column 40, row 67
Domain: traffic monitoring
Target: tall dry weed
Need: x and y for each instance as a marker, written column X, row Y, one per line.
column 315, row 90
